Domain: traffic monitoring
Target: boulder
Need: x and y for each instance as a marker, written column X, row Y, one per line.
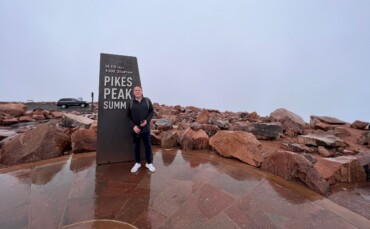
column 317, row 124
column 296, row 147
column 359, row 125
column 203, row 117
column 78, row 120
column 238, row 144
column 292, row 123
column 328, row 120
column 38, row 117
column 57, row 114
column 6, row 133
column 263, row 131
column 195, row 126
column 9, row 121
column 163, row 124
column 324, row 152
column 210, row 129
column 364, row 138
column 15, row 109
column 43, row 142
column 168, row 140
column 84, row 140
column 321, row 139
column 341, row 132
column 26, row 119
column 291, row 166
column 94, row 125
column 252, row 117
column 240, row 126
column 343, row 169
column 194, row 140
column 155, row 139
column 363, row 157
column 222, row 124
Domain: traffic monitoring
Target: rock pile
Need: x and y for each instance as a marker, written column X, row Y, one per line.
column 320, row 154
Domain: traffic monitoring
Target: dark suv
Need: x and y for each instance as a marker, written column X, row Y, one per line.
column 68, row 102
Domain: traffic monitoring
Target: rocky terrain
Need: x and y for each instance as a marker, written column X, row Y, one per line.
column 320, row 154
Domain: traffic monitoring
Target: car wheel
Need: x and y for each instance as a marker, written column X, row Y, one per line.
column 64, row 106
column 82, row 105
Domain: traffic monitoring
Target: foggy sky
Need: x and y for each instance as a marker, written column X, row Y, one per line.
column 311, row 57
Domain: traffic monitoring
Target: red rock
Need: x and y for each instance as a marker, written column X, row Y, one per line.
column 292, row 123
column 84, row 140
column 359, row 125
column 155, row 139
column 317, row 124
column 324, row 152
column 343, row 169
column 94, row 126
column 26, row 119
column 363, row 157
column 15, row 109
column 195, row 126
column 210, row 129
column 291, row 166
column 328, row 120
column 194, row 140
column 341, row 132
column 238, row 144
column 163, row 124
column 57, row 114
column 364, row 138
column 203, row 117
column 295, row 147
column 38, row 117
column 9, row 121
column 43, row 142
column 321, row 139
column 168, row 140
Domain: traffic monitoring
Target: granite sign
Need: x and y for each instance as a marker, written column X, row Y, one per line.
column 118, row 76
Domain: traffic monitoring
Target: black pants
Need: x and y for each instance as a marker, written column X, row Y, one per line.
column 148, row 148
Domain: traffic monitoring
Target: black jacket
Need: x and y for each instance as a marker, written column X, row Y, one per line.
column 139, row 112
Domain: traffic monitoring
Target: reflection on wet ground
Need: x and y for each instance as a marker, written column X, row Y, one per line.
column 188, row 190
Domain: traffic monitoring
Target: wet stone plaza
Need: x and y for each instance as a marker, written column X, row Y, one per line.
column 194, row 189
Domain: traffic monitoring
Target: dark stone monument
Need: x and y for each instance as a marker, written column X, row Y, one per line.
column 118, row 76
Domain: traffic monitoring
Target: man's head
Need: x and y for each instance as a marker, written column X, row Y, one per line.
column 138, row 92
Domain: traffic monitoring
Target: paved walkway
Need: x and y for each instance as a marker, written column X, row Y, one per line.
column 188, row 190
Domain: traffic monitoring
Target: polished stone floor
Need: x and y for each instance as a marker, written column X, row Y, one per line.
column 189, row 190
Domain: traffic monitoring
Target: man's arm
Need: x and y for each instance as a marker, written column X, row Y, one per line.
column 130, row 121
column 151, row 111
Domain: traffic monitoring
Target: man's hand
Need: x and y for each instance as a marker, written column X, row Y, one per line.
column 137, row 129
column 143, row 123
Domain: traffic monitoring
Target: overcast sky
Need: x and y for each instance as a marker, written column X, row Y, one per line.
column 310, row 57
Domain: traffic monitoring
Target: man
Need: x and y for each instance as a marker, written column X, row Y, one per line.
column 140, row 112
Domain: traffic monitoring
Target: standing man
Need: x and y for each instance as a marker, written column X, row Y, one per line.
column 140, row 112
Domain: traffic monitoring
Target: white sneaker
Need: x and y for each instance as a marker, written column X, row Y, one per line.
column 136, row 167
column 150, row 167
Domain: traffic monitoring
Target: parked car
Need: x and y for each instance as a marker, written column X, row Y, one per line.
column 68, row 102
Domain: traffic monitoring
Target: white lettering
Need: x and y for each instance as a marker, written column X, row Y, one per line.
column 114, row 105
column 106, row 92
column 106, row 80
column 114, row 93
column 129, row 81
column 128, row 93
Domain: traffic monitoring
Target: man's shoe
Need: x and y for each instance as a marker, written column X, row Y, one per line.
column 150, row 167
column 136, row 167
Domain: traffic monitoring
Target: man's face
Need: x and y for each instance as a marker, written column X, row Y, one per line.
column 138, row 92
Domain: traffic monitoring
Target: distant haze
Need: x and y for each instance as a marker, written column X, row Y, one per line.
column 311, row 57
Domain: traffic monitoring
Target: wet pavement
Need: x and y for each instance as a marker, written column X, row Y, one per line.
column 188, row 190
